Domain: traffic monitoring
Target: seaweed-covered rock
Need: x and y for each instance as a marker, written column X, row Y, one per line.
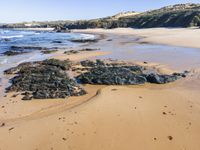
column 84, row 40
column 99, row 72
column 44, row 80
column 64, row 65
column 88, row 63
column 49, row 51
column 13, row 53
column 69, row 52
column 19, row 48
column 14, row 70
column 161, row 79
column 111, row 76
column 89, row 49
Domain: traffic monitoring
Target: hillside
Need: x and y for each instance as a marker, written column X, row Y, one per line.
column 180, row 15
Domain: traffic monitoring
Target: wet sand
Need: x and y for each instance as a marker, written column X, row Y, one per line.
column 109, row 117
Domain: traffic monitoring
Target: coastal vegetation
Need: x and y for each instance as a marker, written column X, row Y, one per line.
column 180, row 15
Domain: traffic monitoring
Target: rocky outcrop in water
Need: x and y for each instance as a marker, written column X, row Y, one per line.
column 13, row 53
column 22, row 48
column 17, row 50
column 44, row 80
column 84, row 40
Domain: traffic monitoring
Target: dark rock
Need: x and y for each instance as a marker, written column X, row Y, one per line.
column 161, row 79
column 27, row 97
column 111, row 76
column 64, row 65
column 84, row 40
column 17, row 50
column 89, row 49
column 57, row 42
column 61, row 29
column 7, row 40
column 13, row 53
column 88, row 63
column 71, row 52
column 49, row 51
column 14, row 70
column 99, row 72
column 44, row 80
column 22, row 48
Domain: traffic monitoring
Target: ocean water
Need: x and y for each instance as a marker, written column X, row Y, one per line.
column 37, row 38
column 47, row 39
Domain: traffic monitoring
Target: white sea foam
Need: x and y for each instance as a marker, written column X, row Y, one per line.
column 11, row 36
column 87, row 36
column 3, row 61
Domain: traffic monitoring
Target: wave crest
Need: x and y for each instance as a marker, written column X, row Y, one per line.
column 11, row 36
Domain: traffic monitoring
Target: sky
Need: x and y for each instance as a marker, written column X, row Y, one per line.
column 47, row 10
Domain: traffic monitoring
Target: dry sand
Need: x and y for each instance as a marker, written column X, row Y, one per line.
column 146, row 117
column 188, row 37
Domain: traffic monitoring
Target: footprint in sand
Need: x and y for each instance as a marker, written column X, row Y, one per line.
column 62, row 119
column 83, row 134
column 170, row 138
column 2, row 125
column 64, row 139
column 189, row 124
column 11, row 129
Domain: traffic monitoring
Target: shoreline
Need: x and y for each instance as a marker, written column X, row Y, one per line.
column 128, row 114
column 31, row 29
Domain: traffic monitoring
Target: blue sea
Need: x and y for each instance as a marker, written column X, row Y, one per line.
column 33, row 38
column 10, row 38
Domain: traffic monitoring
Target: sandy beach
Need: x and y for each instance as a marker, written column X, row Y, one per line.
column 150, row 116
column 186, row 37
